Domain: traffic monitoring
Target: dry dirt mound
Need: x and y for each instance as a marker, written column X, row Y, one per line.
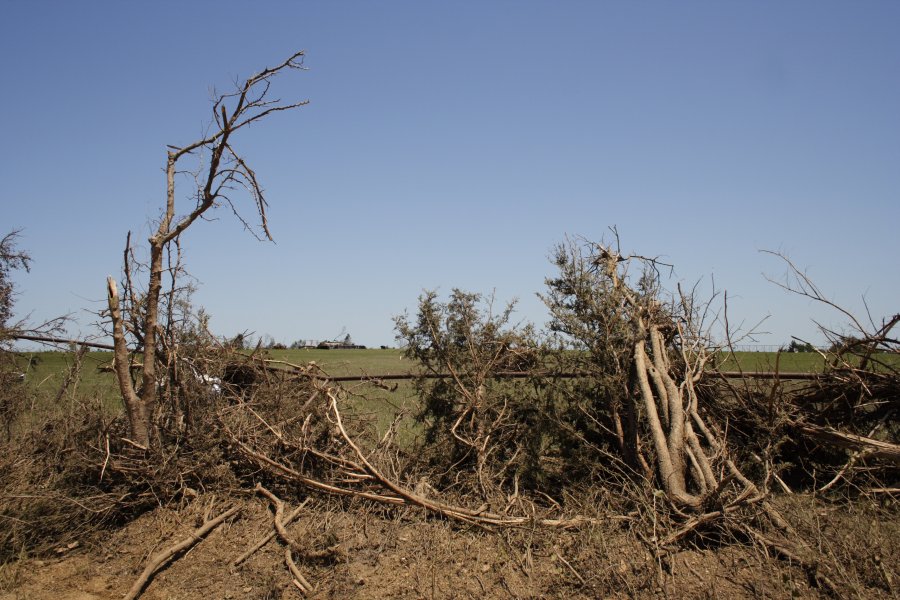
column 398, row 554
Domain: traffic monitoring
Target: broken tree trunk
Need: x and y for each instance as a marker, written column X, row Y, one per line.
column 867, row 446
column 138, row 413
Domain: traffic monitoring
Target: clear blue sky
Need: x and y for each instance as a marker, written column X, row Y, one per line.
column 453, row 144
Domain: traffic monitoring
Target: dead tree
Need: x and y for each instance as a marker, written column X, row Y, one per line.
column 222, row 172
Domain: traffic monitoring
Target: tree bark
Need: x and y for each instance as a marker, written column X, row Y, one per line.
column 672, row 477
column 871, row 448
column 138, row 417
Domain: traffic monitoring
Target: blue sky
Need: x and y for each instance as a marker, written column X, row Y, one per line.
column 453, row 144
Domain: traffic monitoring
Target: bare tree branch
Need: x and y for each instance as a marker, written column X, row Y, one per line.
column 224, row 170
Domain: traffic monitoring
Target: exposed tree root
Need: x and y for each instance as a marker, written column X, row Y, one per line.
column 291, row 545
column 298, row 579
column 279, row 522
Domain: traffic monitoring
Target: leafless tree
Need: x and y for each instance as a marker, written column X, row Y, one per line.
column 222, row 173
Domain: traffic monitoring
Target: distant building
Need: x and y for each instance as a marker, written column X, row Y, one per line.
column 345, row 344
column 333, row 345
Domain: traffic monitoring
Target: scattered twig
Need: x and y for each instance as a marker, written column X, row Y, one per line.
column 158, row 560
column 813, row 567
column 289, row 542
column 265, row 539
column 571, row 568
column 105, row 460
column 478, row 517
column 883, row 490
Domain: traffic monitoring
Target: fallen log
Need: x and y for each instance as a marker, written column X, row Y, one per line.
column 868, row 447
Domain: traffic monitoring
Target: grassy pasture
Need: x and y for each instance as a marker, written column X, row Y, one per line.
column 787, row 362
column 50, row 368
column 47, row 372
column 348, row 362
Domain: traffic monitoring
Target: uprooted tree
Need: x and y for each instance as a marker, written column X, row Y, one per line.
column 639, row 353
column 220, row 172
column 611, row 417
column 651, row 351
column 11, row 258
column 616, row 401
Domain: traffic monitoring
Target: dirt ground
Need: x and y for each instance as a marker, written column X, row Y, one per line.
column 400, row 554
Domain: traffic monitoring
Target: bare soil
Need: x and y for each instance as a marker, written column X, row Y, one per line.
column 401, row 554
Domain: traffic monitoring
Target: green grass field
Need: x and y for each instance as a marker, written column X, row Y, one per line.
column 786, row 362
column 45, row 373
column 50, row 368
column 348, row 362
column 48, row 371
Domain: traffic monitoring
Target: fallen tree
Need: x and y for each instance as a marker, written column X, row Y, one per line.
column 498, row 452
column 650, row 351
column 847, row 417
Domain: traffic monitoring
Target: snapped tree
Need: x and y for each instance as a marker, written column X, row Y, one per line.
column 222, row 171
